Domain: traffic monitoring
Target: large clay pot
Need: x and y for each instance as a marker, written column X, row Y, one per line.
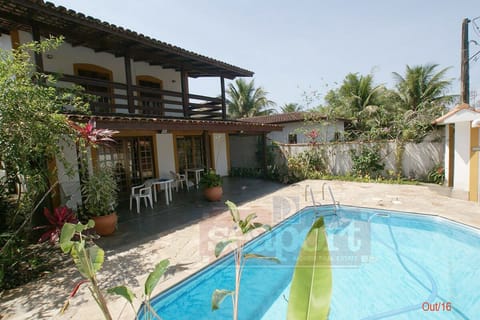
column 213, row 194
column 105, row 225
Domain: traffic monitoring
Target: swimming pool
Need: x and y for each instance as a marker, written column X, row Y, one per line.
column 383, row 263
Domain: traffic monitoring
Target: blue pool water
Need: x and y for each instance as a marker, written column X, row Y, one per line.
column 425, row 266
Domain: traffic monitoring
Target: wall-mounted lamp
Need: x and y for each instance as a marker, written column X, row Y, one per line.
column 49, row 56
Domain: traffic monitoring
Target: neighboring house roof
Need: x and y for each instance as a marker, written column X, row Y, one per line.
column 121, row 122
column 98, row 35
column 284, row 117
column 460, row 113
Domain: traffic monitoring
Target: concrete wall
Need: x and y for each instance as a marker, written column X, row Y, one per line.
column 220, row 153
column 326, row 131
column 462, row 156
column 165, row 154
column 417, row 160
column 5, row 42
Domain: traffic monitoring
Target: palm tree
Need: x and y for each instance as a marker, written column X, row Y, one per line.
column 291, row 107
column 358, row 92
column 421, row 97
column 244, row 100
column 422, row 87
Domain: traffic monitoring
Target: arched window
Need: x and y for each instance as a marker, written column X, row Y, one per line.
column 101, row 88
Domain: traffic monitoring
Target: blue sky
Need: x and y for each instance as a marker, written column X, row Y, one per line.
column 302, row 46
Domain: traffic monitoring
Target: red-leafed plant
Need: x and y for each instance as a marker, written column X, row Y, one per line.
column 312, row 136
column 57, row 219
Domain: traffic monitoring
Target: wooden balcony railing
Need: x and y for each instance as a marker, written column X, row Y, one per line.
column 112, row 98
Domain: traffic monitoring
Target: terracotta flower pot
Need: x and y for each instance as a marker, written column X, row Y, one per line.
column 105, row 225
column 213, row 194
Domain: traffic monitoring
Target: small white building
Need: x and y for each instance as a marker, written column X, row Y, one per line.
column 297, row 126
column 461, row 151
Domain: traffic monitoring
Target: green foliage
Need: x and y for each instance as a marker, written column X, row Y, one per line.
column 306, row 165
column 367, row 163
column 211, row 179
column 244, row 100
column 245, row 226
column 291, row 107
column 436, row 174
column 311, row 288
column 101, row 192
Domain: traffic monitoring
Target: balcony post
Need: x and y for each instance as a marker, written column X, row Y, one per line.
column 128, row 75
column 185, row 94
column 224, row 106
column 37, row 55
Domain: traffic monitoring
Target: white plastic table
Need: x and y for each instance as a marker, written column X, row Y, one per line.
column 197, row 172
column 167, row 185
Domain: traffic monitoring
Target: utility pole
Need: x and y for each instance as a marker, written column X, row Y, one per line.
column 465, row 77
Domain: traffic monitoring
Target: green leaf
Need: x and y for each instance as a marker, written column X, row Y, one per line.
column 260, row 256
column 311, row 289
column 218, row 296
column 221, row 245
column 233, row 211
column 90, row 224
column 155, row 276
column 124, row 292
column 68, row 230
column 88, row 261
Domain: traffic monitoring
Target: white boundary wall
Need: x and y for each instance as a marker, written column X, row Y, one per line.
column 418, row 158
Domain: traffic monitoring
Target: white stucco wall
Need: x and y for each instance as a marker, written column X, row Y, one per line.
column 165, row 154
column 5, row 42
column 220, row 153
column 68, row 177
column 462, row 156
column 446, row 163
column 326, row 131
column 62, row 60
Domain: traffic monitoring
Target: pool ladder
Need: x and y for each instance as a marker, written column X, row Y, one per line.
column 335, row 203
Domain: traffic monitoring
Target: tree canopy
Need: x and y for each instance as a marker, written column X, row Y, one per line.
column 245, row 100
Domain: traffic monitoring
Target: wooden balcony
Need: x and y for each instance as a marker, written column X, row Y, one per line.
column 119, row 98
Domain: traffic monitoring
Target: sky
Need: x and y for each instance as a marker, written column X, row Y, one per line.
column 305, row 46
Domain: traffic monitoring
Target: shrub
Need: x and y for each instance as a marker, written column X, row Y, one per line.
column 367, row 162
column 436, row 174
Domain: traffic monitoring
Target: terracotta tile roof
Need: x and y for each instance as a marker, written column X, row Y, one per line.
column 280, row 118
column 457, row 108
column 128, row 122
column 103, row 36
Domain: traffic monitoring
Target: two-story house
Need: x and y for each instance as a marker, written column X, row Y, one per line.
column 143, row 89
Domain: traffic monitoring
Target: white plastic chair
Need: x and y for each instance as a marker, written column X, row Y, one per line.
column 179, row 179
column 142, row 191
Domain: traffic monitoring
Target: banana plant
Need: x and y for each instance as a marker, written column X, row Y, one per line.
column 245, row 226
column 150, row 284
column 88, row 260
column 311, row 287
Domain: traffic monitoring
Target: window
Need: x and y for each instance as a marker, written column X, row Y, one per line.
column 149, row 100
column 102, row 90
column 190, row 152
column 292, row 138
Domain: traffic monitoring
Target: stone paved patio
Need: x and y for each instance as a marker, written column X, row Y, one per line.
column 184, row 233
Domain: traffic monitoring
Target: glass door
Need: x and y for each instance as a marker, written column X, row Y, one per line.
column 131, row 159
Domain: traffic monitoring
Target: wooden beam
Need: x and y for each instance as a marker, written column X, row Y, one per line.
column 37, row 55
column 224, row 106
column 128, row 75
column 185, row 94
column 207, row 149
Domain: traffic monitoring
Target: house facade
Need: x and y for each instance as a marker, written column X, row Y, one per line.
column 461, row 151
column 297, row 125
column 142, row 90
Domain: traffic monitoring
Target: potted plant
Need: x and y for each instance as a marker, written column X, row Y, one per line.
column 211, row 183
column 100, row 192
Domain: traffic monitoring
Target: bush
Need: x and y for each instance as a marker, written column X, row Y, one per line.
column 436, row 174
column 306, row 165
column 367, row 163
